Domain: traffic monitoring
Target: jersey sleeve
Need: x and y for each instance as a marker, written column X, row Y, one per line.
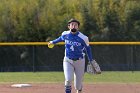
column 60, row 39
column 89, row 53
column 88, row 49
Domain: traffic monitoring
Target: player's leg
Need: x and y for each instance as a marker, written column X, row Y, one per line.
column 79, row 91
column 68, row 73
column 79, row 74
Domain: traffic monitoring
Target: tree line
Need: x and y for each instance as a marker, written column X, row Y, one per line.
column 44, row 20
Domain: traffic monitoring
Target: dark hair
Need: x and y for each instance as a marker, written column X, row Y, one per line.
column 73, row 20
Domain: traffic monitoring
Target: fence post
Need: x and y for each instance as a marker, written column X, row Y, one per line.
column 33, row 58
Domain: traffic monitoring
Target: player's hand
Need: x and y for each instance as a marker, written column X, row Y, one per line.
column 95, row 67
column 50, row 44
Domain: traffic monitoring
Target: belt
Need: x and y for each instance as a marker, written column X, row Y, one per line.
column 75, row 59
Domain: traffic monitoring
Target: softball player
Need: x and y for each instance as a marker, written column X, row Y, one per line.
column 76, row 44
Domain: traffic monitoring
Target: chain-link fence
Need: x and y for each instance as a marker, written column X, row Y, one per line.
column 41, row 58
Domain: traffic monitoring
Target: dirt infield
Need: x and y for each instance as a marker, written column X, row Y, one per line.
column 59, row 88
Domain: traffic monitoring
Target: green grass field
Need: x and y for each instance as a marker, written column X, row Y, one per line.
column 57, row 77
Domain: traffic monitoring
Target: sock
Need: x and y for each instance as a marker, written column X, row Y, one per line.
column 67, row 89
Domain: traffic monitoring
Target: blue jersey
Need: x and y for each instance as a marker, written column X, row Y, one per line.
column 75, row 45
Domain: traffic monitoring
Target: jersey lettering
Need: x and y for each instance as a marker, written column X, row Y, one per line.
column 72, row 43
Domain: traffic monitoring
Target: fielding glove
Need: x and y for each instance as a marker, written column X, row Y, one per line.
column 93, row 68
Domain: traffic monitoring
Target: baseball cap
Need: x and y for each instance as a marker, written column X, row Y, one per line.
column 73, row 20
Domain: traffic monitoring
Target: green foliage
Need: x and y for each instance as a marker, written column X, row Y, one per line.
column 133, row 21
column 41, row 20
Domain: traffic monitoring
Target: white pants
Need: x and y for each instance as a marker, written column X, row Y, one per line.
column 74, row 68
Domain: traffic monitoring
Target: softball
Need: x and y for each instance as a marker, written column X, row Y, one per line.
column 50, row 45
